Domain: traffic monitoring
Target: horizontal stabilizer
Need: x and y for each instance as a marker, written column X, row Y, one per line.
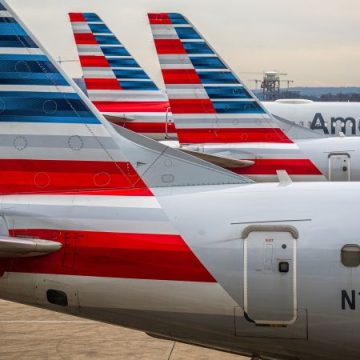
column 12, row 247
column 116, row 119
column 219, row 160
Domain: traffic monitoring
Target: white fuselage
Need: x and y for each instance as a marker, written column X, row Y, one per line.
column 327, row 118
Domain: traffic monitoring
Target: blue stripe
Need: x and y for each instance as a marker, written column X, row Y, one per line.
column 124, row 62
column 36, row 95
column 217, row 77
column 7, row 20
column 11, row 29
column 187, row 33
column 49, row 119
column 138, row 85
column 2, row 7
column 25, row 78
column 91, row 17
column 38, row 106
column 207, row 63
column 17, row 41
column 114, row 51
column 99, row 29
column 237, row 107
column 223, row 92
column 177, row 18
column 130, row 74
column 29, row 57
column 107, row 40
column 27, row 66
column 197, row 48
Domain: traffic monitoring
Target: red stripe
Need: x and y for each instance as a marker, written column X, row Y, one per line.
column 102, row 84
column 127, row 106
column 76, row 17
column 180, row 76
column 162, row 18
column 36, row 176
column 93, row 61
column 88, row 38
column 118, row 255
column 147, row 127
column 192, row 106
column 169, row 46
column 270, row 166
column 232, row 135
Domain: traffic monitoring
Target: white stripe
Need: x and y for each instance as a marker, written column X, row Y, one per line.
column 213, row 70
column 187, row 94
column 141, row 116
column 144, row 202
column 93, row 74
column 80, row 28
column 122, row 96
column 38, row 88
column 135, row 80
column 90, row 53
column 176, row 66
column 20, row 51
column 5, row 14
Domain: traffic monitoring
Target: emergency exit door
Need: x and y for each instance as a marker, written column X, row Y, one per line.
column 270, row 293
column 339, row 167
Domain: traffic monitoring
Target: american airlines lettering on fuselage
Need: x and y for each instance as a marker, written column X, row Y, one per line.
column 326, row 118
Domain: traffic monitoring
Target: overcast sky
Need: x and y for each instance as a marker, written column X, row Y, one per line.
column 317, row 42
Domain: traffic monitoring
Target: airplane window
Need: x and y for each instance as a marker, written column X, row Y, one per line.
column 350, row 255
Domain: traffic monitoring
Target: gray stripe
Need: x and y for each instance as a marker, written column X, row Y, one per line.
column 85, row 212
column 103, row 225
column 61, row 154
column 75, row 142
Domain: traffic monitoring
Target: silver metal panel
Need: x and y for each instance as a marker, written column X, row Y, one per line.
column 339, row 167
column 269, row 294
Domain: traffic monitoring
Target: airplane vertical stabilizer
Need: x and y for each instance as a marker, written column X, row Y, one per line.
column 211, row 105
column 115, row 82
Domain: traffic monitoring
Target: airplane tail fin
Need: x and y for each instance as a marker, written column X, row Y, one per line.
column 115, row 82
column 53, row 140
column 208, row 101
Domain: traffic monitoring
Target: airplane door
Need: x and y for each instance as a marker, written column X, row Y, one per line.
column 339, row 167
column 270, row 293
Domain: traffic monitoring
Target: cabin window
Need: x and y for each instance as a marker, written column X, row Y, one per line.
column 350, row 255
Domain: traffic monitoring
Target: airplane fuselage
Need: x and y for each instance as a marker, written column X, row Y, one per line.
column 326, row 118
column 252, row 275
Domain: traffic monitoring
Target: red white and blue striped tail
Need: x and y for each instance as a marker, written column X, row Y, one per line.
column 116, row 83
column 53, row 139
column 210, row 105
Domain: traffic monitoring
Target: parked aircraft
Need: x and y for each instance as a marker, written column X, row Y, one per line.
column 326, row 118
column 108, row 225
column 218, row 118
column 115, row 82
